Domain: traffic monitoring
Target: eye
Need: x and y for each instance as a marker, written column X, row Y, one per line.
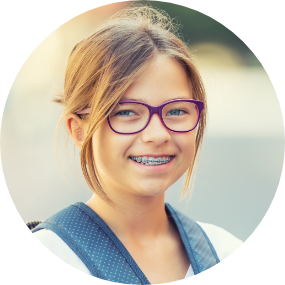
column 125, row 113
column 175, row 112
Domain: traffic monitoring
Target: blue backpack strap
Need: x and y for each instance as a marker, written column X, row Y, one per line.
column 106, row 257
column 200, row 251
column 95, row 244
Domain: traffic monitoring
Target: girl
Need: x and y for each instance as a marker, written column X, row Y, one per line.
column 135, row 105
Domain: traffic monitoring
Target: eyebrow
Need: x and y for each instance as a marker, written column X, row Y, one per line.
column 142, row 100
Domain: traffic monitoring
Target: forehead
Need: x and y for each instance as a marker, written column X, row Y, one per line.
column 165, row 79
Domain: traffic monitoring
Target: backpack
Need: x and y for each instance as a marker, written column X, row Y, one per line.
column 106, row 257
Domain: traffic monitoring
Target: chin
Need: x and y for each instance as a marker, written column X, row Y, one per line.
column 153, row 189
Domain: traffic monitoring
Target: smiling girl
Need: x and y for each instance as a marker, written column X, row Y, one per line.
column 135, row 106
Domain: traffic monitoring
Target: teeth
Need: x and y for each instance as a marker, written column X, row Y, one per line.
column 151, row 160
column 144, row 159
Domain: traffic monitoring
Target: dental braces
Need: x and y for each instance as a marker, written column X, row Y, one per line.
column 151, row 161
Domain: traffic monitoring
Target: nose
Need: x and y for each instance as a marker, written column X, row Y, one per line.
column 155, row 132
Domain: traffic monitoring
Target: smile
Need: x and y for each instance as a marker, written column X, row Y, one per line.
column 151, row 160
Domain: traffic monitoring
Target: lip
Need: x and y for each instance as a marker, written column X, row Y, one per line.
column 153, row 155
column 154, row 168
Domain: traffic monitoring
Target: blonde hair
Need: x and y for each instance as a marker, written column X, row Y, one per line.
column 102, row 66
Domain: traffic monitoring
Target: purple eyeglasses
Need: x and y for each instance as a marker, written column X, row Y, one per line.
column 199, row 105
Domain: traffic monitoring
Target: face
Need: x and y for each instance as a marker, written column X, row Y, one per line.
column 164, row 80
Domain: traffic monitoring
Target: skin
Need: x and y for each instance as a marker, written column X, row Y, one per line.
column 139, row 219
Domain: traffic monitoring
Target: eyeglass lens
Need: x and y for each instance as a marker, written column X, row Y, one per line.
column 132, row 117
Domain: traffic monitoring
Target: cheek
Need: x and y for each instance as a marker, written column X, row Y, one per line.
column 109, row 148
column 186, row 145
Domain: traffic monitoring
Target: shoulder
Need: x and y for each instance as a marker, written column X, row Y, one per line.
column 58, row 247
column 223, row 242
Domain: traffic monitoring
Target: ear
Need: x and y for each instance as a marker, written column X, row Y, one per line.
column 75, row 128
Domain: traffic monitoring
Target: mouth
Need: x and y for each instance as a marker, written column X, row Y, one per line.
column 149, row 160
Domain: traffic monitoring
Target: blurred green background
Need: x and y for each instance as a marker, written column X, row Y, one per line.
column 198, row 28
column 243, row 151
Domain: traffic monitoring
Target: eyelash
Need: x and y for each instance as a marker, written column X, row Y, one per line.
column 185, row 112
column 118, row 113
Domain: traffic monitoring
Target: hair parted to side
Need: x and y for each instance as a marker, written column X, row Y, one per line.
column 102, row 66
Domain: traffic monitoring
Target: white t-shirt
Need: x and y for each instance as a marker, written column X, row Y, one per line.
column 223, row 242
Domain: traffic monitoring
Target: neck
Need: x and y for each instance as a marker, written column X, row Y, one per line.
column 137, row 218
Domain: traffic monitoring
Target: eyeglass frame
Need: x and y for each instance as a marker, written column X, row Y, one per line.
column 154, row 110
